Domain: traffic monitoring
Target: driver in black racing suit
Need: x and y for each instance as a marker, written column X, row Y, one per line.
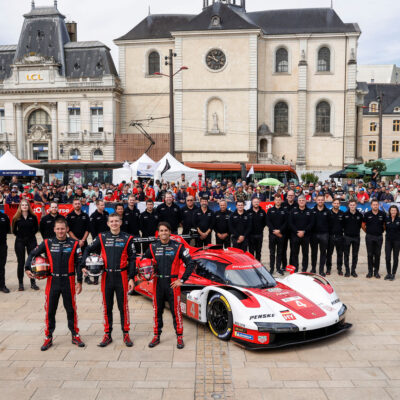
column 167, row 256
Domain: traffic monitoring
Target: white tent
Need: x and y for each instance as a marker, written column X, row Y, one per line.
column 175, row 170
column 122, row 174
column 143, row 167
column 10, row 166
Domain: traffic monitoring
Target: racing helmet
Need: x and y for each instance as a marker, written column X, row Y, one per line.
column 41, row 267
column 146, row 270
column 291, row 269
column 94, row 265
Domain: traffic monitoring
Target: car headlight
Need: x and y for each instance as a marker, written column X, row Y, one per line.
column 276, row 327
column 342, row 311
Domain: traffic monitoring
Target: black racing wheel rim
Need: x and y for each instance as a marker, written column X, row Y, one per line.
column 219, row 317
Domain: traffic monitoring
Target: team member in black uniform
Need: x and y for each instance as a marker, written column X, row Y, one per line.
column 148, row 222
column 392, row 243
column 170, row 212
column 352, row 221
column 98, row 220
column 46, row 226
column 276, row 221
column 167, row 256
column 319, row 235
column 374, row 225
column 204, row 220
column 335, row 237
column 301, row 222
column 240, row 227
column 258, row 223
column 187, row 213
column 24, row 227
column 4, row 230
column 78, row 224
column 118, row 252
column 288, row 206
column 64, row 255
column 221, row 226
column 131, row 220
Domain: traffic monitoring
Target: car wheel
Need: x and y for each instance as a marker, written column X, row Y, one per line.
column 219, row 316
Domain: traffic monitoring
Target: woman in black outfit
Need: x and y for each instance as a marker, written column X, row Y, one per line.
column 392, row 241
column 24, row 227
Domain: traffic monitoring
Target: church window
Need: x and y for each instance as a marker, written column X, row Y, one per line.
column 323, row 117
column 282, row 60
column 324, row 59
column 154, row 63
column 281, row 118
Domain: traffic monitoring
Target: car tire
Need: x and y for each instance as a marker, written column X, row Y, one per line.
column 219, row 316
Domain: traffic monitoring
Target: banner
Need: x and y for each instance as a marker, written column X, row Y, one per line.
column 63, row 209
column 11, row 209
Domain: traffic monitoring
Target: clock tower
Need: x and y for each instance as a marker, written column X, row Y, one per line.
column 236, row 3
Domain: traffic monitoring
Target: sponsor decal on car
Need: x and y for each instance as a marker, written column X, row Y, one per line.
column 274, row 290
column 289, row 299
column 335, row 301
column 240, row 329
column 287, row 315
column 326, row 307
column 263, row 339
column 261, row 316
column 244, row 335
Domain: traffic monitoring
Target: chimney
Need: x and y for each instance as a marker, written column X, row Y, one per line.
column 72, row 28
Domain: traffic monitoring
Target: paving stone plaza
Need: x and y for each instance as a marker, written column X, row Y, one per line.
column 362, row 364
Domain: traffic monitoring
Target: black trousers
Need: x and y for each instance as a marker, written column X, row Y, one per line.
column 3, row 260
column 242, row 246
column 23, row 247
column 225, row 243
column 163, row 292
column 56, row 287
column 287, row 242
column 392, row 246
column 335, row 242
column 275, row 252
column 354, row 244
column 115, row 282
column 298, row 243
column 205, row 242
column 374, row 248
column 255, row 245
column 320, row 240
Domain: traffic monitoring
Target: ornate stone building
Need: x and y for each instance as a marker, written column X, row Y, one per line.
column 260, row 86
column 59, row 98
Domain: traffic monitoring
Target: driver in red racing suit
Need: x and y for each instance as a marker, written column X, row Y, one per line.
column 118, row 252
column 167, row 256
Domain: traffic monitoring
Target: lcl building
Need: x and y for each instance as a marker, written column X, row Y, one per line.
column 59, row 98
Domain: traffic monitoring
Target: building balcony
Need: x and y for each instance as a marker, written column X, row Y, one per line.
column 86, row 136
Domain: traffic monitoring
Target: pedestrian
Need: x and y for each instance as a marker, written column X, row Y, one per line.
column 352, row 221
column 98, row 220
column 288, row 206
column 46, row 226
column 131, row 220
column 170, row 212
column 204, row 220
column 392, row 243
column 240, row 227
column 4, row 230
column 187, row 213
column 374, row 225
column 24, row 227
column 65, row 256
column 276, row 220
column 148, row 222
column 258, row 222
column 301, row 222
column 221, row 226
column 320, row 236
column 336, row 240
column 167, row 256
column 119, row 256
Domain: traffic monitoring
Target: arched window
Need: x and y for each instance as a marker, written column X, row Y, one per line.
column 282, row 60
column 281, row 118
column 154, row 63
column 323, row 117
column 74, row 154
column 98, row 154
column 39, row 118
column 324, row 59
column 372, row 146
column 263, row 145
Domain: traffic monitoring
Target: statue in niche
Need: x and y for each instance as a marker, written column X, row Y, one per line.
column 215, row 128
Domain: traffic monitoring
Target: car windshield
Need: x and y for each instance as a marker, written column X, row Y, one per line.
column 257, row 277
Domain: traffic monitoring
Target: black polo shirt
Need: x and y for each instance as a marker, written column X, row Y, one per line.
column 46, row 226
column 301, row 220
column 222, row 221
column 393, row 228
column 4, row 227
column 187, row 218
column 170, row 214
column 336, row 222
column 321, row 220
column 149, row 223
column 352, row 223
column 258, row 221
column 98, row 223
column 375, row 223
column 240, row 225
column 78, row 224
column 131, row 221
column 277, row 219
column 203, row 220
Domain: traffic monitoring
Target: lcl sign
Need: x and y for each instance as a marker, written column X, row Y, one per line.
column 34, row 77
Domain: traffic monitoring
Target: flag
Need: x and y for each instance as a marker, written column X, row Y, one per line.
column 166, row 168
column 251, row 172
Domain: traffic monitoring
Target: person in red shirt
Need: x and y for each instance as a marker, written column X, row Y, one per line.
column 200, row 182
column 26, row 195
column 149, row 192
column 362, row 196
column 110, row 197
column 192, row 190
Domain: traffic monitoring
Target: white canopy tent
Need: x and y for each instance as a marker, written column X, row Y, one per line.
column 143, row 167
column 176, row 168
column 122, row 174
column 10, row 166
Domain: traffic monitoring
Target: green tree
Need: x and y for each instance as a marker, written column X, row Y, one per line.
column 309, row 177
column 378, row 165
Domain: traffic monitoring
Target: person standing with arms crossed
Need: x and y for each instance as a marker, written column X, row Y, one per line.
column 221, row 226
column 204, row 220
column 240, row 227
column 258, row 222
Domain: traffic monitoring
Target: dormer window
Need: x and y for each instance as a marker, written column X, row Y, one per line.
column 77, row 66
column 373, row 107
column 215, row 20
column 40, row 35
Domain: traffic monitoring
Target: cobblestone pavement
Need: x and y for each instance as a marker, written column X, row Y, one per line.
column 363, row 364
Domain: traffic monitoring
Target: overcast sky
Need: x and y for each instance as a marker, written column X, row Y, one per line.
column 106, row 20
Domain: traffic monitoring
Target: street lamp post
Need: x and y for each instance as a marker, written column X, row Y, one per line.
column 169, row 60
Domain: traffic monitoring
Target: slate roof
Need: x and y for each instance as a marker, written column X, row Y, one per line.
column 271, row 22
column 391, row 97
column 44, row 33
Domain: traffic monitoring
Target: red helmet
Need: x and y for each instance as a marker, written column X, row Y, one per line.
column 291, row 269
column 146, row 269
column 41, row 267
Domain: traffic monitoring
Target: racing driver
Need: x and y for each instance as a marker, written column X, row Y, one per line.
column 167, row 255
column 118, row 251
column 64, row 255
